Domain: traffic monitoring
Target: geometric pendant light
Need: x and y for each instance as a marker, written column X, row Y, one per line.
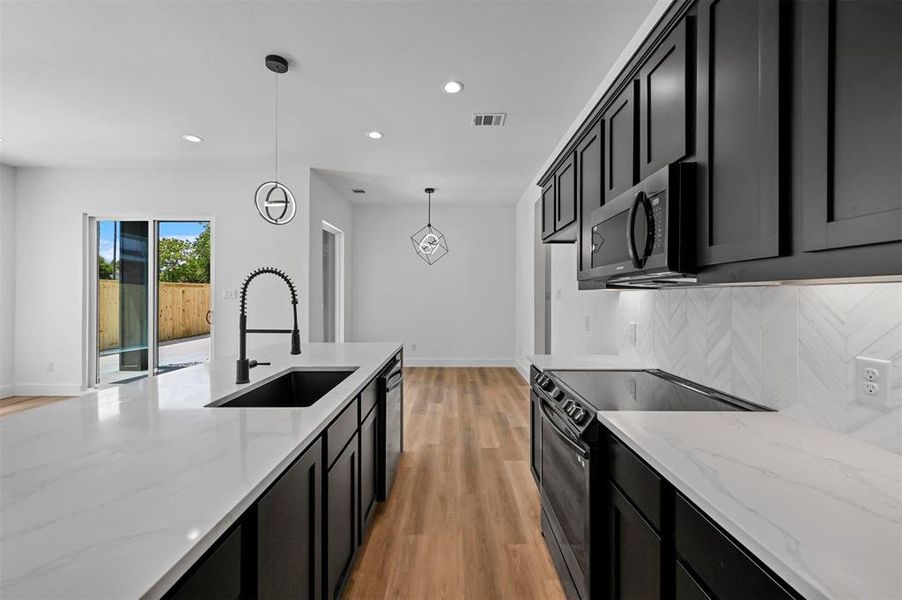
column 274, row 200
column 429, row 243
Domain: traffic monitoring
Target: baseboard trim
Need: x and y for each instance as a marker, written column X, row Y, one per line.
column 47, row 389
column 458, row 362
column 7, row 390
column 523, row 370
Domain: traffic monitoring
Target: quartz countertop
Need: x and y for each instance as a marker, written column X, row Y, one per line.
column 118, row 492
column 822, row 510
column 587, row 362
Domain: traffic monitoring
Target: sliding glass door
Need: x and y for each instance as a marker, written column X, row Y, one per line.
column 152, row 295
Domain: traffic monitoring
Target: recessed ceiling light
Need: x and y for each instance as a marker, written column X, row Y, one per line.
column 374, row 135
column 188, row 137
column 453, row 87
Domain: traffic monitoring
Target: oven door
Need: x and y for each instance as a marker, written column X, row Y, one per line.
column 565, row 493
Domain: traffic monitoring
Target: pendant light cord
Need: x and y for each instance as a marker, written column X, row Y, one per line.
column 429, row 211
column 276, row 75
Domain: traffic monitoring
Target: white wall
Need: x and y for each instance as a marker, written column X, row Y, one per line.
column 326, row 204
column 457, row 311
column 7, row 278
column 524, row 281
column 49, row 259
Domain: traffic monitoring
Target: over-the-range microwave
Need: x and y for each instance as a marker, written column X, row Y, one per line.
column 645, row 237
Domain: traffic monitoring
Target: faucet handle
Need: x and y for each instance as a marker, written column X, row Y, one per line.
column 255, row 363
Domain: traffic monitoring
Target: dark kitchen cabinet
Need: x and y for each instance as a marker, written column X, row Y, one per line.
column 342, row 517
column 635, row 551
column 369, row 469
column 717, row 563
column 565, row 184
column 665, row 90
column 548, row 209
column 687, row 588
column 289, row 531
column 738, row 130
column 851, row 122
column 589, row 188
column 217, row 575
column 620, row 148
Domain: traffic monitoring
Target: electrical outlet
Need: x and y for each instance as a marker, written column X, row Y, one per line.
column 230, row 295
column 559, row 295
column 631, row 333
column 414, row 347
column 588, row 328
column 872, row 380
column 51, row 367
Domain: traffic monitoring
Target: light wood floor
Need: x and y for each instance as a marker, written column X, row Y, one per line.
column 463, row 517
column 14, row 404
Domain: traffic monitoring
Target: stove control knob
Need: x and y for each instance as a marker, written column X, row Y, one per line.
column 545, row 383
column 557, row 395
column 579, row 416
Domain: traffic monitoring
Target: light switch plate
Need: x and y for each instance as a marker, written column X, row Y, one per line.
column 873, row 379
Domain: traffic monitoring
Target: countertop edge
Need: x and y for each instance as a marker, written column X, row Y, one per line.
column 168, row 579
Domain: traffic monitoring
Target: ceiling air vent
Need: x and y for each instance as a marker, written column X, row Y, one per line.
column 358, row 190
column 489, row 119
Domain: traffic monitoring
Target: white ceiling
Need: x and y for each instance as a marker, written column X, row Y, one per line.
column 110, row 83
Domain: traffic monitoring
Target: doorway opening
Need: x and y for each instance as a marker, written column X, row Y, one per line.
column 150, row 298
column 333, row 283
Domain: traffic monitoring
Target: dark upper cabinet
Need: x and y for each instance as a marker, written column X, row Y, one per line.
column 565, row 184
column 548, row 209
column 289, row 531
column 665, row 101
column 851, row 72
column 369, row 470
column 738, row 127
column 342, row 523
column 620, row 147
column 635, row 551
column 217, row 575
column 589, row 188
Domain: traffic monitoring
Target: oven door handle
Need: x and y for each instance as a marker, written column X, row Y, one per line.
column 582, row 452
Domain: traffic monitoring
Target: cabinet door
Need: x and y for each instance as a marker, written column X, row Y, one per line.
column 620, row 143
column 289, row 531
column 687, row 588
column 548, row 208
column 738, row 101
column 535, row 437
column 589, row 188
column 635, row 552
column 664, row 114
column 341, row 517
column 369, row 470
column 215, row 576
column 851, row 123
column 565, row 184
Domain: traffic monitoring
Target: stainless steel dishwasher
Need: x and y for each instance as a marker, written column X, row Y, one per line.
column 391, row 422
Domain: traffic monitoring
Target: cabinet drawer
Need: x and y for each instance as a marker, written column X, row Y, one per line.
column 720, row 564
column 340, row 431
column 368, row 398
column 636, row 479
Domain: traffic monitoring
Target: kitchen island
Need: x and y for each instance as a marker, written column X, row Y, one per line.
column 119, row 492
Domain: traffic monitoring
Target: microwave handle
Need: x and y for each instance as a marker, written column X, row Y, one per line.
column 640, row 200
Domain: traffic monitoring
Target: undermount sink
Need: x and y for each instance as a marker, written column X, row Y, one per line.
column 291, row 390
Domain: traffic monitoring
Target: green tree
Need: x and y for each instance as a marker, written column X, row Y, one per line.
column 185, row 261
column 106, row 269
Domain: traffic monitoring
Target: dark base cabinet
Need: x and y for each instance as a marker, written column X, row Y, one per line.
column 217, row 575
column 369, row 469
column 635, row 552
column 289, row 521
column 341, row 518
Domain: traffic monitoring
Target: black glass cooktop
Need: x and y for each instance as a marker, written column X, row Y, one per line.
column 646, row 390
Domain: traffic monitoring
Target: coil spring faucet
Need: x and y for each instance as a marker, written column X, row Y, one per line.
column 245, row 365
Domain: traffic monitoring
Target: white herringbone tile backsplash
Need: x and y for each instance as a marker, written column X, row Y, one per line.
column 788, row 347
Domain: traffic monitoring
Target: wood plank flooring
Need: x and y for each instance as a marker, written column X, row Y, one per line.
column 14, row 404
column 463, row 517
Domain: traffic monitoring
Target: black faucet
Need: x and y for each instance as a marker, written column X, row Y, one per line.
column 245, row 365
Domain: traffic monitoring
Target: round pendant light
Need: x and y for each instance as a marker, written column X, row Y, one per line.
column 273, row 199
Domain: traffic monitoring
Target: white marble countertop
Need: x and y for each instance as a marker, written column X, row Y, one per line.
column 822, row 510
column 116, row 493
column 580, row 362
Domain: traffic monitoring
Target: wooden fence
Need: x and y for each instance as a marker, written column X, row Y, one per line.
column 183, row 311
